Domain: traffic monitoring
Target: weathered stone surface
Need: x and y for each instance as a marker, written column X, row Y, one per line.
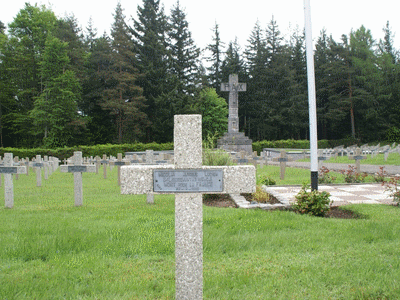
column 234, row 140
column 138, row 179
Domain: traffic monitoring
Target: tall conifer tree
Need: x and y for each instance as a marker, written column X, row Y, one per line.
column 150, row 30
column 124, row 97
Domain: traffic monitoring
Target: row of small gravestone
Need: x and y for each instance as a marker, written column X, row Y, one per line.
column 76, row 165
column 11, row 165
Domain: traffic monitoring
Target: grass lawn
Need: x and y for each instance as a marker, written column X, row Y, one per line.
column 297, row 176
column 118, row 247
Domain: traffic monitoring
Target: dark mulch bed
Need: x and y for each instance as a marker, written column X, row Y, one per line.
column 224, row 200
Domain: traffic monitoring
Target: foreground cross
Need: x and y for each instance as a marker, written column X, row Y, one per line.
column 77, row 169
column 8, row 169
column 188, row 179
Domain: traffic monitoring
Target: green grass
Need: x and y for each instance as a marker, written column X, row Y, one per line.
column 393, row 159
column 118, row 247
column 294, row 176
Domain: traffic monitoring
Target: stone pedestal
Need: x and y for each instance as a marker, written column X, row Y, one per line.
column 235, row 141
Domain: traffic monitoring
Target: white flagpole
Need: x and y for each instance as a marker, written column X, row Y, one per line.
column 311, row 96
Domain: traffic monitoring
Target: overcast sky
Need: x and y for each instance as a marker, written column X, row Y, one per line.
column 237, row 20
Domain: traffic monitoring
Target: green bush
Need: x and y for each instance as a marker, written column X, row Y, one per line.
column 97, row 150
column 352, row 176
column 216, row 158
column 393, row 135
column 324, row 176
column 266, row 180
column 313, row 203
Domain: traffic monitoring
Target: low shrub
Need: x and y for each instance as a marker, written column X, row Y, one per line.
column 261, row 195
column 266, row 180
column 313, row 203
column 352, row 176
column 324, row 176
column 216, row 158
column 381, row 175
column 393, row 187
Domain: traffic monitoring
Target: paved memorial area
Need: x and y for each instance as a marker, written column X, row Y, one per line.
column 340, row 194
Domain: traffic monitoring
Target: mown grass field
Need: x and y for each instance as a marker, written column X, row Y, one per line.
column 118, row 247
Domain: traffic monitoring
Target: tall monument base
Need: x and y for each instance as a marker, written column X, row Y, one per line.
column 235, row 141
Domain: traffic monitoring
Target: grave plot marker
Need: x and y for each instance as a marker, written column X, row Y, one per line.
column 188, row 179
column 77, row 169
column 8, row 169
column 38, row 165
column 283, row 159
column 358, row 157
column 104, row 162
column 119, row 163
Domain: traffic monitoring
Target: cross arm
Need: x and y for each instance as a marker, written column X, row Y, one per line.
column 139, row 179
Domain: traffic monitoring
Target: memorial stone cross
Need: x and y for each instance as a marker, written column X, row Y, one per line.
column 119, row 163
column 104, row 162
column 8, row 169
column 38, row 165
column 233, row 87
column 77, row 169
column 188, row 179
column 46, row 167
column 358, row 157
column 321, row 158
column 283, row 159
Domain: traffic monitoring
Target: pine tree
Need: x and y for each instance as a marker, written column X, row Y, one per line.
column 297, row 106
column 256, row 63
column 101, row 125
column 2, row 28
column 389, row 74
column 56, row 107
column 216, row 49
column 184, row 52
column 27, row 38
column 150, row 30
column 123, row 98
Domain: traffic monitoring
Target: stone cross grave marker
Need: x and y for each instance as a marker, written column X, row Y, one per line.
column 104, row 162
column 188, row 179
column 283, row 159
column 38, row 165
column 77, row 169
column 8, row 169
column 321, row 158
column 233, row 87
column 358, row 157
column 119, row 163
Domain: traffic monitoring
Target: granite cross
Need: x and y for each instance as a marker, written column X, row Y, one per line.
column 283, row 159
column 8, row 169
column 233, row 87
column 357, row 157
column 188, row 179
column 38, row 165
column 77, row 169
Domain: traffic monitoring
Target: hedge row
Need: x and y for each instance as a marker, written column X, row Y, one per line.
column 97, row 150
column 108, row 149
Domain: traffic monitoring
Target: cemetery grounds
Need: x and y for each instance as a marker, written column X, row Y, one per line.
column 118, row 247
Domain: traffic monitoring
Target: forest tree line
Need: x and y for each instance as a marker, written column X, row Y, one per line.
column 64, row 86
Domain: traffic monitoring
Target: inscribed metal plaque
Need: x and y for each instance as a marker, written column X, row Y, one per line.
column 119, row 163
column 74, row 169
column 8, row 170
column 188, row 181
column 37, row 165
